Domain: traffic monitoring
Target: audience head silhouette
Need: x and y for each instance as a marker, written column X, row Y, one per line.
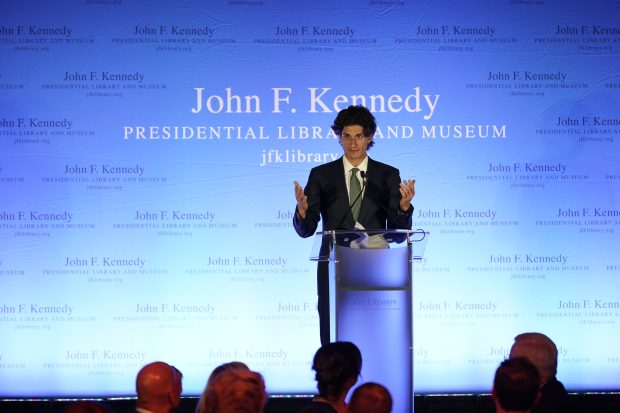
column 538, row 349
column 541, row 351
column 222, row 368
column 370, row 398
column 159, row 386
column 515, row 387
column 236, row 391
column 337, row 366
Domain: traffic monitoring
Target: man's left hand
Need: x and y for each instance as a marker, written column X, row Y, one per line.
column 407, row 192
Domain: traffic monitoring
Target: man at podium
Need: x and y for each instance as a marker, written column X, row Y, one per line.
column 352, row 192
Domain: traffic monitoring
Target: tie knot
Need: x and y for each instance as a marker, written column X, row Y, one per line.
column 354, row 171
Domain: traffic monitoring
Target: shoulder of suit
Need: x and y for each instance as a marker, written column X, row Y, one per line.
column 329, row 165
column 380, row 165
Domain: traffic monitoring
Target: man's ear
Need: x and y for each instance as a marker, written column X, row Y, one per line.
column 174, row 397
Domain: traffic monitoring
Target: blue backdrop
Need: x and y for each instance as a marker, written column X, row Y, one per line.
column 147, row 157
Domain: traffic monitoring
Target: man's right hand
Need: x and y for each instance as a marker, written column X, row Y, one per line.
column 302, row 200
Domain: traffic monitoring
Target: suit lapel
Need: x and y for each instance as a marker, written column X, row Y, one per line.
column 343, row 195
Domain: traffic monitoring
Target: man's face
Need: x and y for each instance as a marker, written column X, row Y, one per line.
column 354, row 143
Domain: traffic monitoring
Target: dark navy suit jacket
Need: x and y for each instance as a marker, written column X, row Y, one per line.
column 328, row 200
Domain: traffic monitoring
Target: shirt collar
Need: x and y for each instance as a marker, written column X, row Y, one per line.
column 363, row 166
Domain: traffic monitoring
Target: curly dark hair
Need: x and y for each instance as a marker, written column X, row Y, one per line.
column 356, row 115
column 334, row 364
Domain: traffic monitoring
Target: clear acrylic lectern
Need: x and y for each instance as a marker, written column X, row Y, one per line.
column 370, row 275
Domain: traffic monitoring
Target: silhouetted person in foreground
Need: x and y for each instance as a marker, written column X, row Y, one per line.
column 159, row 386
column 236, row 391
column 543, row 353
column 337, row 366
column 370, row 398
column 222, row 368
column 515, row 387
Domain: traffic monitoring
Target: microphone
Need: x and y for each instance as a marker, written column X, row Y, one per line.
column 363, row 175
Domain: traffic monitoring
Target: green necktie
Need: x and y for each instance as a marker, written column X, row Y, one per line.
column 354, row 194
